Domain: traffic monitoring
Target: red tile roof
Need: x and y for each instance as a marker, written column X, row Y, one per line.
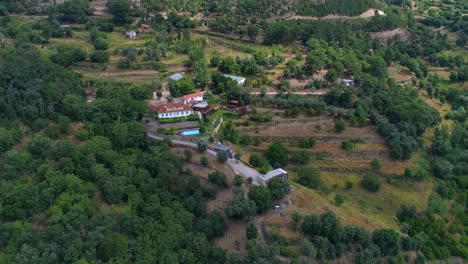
column 188, row 96
column 171, row 108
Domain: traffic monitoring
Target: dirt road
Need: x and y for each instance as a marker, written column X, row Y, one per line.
column 237, row 166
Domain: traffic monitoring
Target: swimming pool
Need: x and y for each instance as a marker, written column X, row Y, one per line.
column 190, row 132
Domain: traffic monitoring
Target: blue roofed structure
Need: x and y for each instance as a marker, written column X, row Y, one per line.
column 176, row 77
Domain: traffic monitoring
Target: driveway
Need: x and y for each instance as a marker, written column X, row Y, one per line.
column 237, row 166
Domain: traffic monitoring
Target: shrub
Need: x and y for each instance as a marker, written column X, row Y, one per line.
column 340, row 126
column 187, row 154
column 339, row 199
column 307, row 142
column 301, row 157
column 371, row 183
column 204, row 161
column 124, row 63
column 202, row 129
column 349, row 185
column 99, row 56
column 375, row 163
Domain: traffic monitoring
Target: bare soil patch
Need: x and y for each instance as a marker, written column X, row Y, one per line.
column 385, row 36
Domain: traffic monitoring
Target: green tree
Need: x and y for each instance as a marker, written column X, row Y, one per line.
column 213, row 225
column 278, row 188
column 387, row 240
column 202, row 76
column 223, row 156
column 113, row 246
column 67, row 55
column 296, row 218
column 73, row 11
column 39, row 147
column 120, row 10
column 308, row 249
column 202, row 146
column 252, row 31
column 238, row 180
column 218, row 178
column 277, row 154
column 251, row 230
column 100, row 43
column 99, row 56
column 331, row 75
column 262, row 198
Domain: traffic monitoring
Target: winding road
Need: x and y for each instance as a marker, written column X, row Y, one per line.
column 238, row 167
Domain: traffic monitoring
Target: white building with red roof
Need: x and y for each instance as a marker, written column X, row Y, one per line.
column 192, row 98
column 174, row 110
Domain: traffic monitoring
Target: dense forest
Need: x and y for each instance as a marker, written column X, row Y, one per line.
column 50, row 189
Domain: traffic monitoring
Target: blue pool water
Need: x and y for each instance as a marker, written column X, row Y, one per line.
column 190, row 132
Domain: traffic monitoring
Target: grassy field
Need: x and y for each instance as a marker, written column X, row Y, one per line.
column 337, row 166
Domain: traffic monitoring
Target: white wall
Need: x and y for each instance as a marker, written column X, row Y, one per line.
column 175, row 114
